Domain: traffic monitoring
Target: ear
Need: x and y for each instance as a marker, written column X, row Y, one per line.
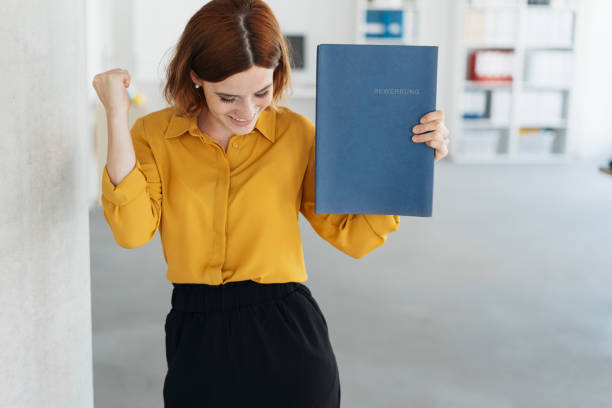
column 194, row 76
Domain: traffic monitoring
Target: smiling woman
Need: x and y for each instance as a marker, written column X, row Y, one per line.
column 223, row 173
column 228, row 86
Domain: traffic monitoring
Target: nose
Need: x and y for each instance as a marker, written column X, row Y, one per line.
column 248, row 109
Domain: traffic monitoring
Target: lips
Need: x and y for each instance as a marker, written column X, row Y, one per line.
column 238, row 123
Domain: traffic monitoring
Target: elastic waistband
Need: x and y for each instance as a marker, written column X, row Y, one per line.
column 198, row 297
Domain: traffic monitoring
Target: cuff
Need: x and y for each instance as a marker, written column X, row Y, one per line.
column 127, row 189
column 383, row 224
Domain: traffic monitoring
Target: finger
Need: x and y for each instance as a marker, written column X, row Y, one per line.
column 440, row 153
column 436, row 144
column 445, row 131
column 433, row 115
column 425, row 127
column 424, row 137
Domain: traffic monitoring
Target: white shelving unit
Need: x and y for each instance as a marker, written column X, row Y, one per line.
column 408, row 32
column 525, row 119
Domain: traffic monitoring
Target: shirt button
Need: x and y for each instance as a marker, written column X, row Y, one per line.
column 235, row 145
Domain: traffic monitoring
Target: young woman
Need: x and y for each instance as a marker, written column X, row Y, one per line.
column 223, row 174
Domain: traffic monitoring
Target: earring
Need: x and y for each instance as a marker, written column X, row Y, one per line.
column 197, row 86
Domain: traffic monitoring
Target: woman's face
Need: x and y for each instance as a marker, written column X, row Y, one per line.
column 234, row 104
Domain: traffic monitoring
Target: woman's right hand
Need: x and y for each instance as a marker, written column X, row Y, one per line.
column 111, row 89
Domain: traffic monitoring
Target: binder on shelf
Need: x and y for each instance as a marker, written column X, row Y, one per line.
column 368, row 99
column 384, row 23
column 474, row 104
column 491, row 65
column 536, row 140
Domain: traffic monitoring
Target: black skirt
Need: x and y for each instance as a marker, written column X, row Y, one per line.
column 247, row 344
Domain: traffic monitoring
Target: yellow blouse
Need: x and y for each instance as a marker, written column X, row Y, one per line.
column 229, row 215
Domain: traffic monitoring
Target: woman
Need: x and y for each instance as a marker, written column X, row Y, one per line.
column 223, row 173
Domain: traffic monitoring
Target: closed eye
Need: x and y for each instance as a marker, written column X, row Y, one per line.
column 230, row 100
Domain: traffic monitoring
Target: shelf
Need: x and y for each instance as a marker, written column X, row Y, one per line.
column 487, row 45
column 488, row 84
column 562, row 124
column 495, row 6
column 408, row 7
column 545, row 87
column 560, row 47
column 386, row 41
column 548, row 7
column 482, row 124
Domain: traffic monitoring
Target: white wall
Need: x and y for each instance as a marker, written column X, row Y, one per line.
column 321, row 21
column 591, row 108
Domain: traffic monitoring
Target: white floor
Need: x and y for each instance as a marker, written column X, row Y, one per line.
column 502, row 299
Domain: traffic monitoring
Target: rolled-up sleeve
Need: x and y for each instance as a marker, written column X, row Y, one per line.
column 132, row 208
column 354, row 234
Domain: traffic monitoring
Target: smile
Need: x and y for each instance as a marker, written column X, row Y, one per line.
column 241, row 122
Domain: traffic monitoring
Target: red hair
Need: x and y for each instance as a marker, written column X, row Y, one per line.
column 223, row 38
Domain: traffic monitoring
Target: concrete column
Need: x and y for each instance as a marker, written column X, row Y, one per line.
column 45, row 312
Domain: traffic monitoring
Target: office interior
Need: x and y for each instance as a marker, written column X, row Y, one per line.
column 500, row 299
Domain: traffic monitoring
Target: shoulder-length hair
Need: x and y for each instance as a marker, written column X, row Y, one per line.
column 223, row 38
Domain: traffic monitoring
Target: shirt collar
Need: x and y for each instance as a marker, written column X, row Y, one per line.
column 179, row 125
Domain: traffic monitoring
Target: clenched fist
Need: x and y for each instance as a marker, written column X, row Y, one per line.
column 111, row 89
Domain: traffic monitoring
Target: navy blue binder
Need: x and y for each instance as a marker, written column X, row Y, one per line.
column 368, row 99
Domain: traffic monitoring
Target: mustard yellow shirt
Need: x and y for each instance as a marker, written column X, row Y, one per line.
column 229, row 215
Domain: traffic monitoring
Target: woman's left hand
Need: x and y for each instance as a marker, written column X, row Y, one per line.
column 432, row 130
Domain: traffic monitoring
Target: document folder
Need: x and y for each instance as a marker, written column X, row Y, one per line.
column 368, row 98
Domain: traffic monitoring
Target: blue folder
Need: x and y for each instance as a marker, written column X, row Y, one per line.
column 368, row 99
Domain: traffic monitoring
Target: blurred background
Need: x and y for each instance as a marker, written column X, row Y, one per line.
column 501, row 299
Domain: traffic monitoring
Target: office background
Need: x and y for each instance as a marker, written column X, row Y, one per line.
column 501, row 299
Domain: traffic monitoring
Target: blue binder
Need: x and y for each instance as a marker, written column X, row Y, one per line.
column 368, row 99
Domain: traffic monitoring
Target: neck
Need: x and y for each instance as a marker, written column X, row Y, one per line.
column 207, row 125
